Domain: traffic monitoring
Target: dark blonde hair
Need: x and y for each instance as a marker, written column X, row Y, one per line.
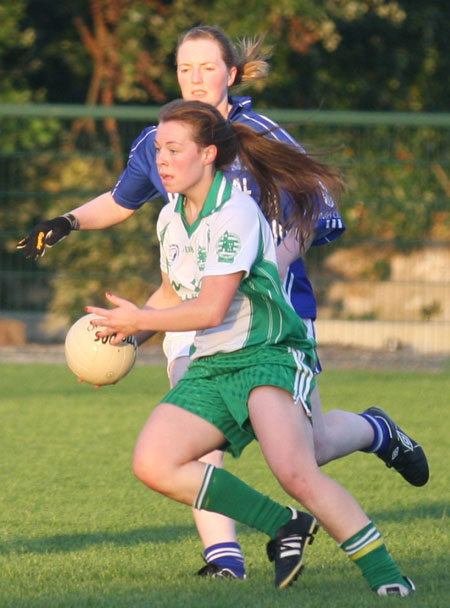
column 277, row 167
column 247, row 56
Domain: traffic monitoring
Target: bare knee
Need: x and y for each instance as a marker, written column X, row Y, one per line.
column 152, row 471
column 324, row 437
column 322, row 432
column 299, row 485
column 142, row 469
column 320, row 448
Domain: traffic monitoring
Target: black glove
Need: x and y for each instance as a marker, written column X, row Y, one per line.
column 47, row 234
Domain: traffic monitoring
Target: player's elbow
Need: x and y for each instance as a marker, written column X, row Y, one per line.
column 214, row 317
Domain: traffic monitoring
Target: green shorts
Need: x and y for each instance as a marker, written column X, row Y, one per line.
column 217, row 388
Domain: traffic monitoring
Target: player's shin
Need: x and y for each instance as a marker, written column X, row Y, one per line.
column 224, row 493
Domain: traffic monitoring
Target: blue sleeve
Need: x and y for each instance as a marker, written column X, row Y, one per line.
column 140, row 181
column 329, row 225
column 328, row 229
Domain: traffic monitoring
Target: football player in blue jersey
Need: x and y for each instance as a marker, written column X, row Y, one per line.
column 208, row 63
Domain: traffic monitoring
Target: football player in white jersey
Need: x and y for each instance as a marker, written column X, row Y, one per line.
column 251, row 370
column 207, row 65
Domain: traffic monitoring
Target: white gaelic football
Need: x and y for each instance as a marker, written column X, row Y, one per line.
column 95, row 360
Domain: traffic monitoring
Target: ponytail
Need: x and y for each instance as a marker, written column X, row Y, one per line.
column 247, row 56
column 283, row 170
column 279, row 168
column 253, row 64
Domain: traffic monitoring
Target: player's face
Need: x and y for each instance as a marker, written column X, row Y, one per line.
column 183, row 166
column 202, row 73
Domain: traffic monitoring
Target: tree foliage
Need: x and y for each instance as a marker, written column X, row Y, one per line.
column 350, row 54
column 330, row 54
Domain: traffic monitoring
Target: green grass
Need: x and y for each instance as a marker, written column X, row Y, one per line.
column 77, row 529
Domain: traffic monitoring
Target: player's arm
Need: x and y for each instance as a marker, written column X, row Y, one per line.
column 205, row 311
column 164, row 297
column 133, row 188
column 100, row 212
column 289, row 250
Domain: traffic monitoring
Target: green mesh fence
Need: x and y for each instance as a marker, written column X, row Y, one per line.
column 389, row 273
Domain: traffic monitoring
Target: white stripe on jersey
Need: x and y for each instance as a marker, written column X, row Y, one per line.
column 269, row 295
column 222, row 187
column 270, row 124
column 130, row 155
column 152, row 130
column 288, row 282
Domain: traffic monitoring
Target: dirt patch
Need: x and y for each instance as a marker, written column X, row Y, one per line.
column 332, row 357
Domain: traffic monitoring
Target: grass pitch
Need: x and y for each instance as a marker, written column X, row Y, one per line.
column 78, row 530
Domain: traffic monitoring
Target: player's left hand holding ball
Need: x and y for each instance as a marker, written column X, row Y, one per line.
column 94, row 359
column 120, row 320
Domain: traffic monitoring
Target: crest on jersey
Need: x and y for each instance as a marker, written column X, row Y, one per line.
column 228, row 246
column 174, row 250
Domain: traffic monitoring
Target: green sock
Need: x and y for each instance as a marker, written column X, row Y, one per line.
column 224, row 493
column 367, row 550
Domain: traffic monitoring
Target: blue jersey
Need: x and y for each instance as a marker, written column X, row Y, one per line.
column 140, row 183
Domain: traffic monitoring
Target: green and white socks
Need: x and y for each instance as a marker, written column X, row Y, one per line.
column 367, row 550
column 224, row 493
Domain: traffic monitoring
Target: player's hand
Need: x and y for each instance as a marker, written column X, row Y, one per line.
column 47, row 234
column 119, row 322
column 80, row 380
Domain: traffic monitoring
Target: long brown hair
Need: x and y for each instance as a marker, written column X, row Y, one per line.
column 277, row 167
column 247, row 55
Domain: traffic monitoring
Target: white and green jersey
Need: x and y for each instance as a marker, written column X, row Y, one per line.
column 230, row 235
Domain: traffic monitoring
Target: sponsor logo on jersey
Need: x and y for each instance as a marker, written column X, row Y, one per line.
column 201, row 257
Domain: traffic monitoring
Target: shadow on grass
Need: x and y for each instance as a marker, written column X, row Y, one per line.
column 426, row 510
column 435, row 511
column 65, row 543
